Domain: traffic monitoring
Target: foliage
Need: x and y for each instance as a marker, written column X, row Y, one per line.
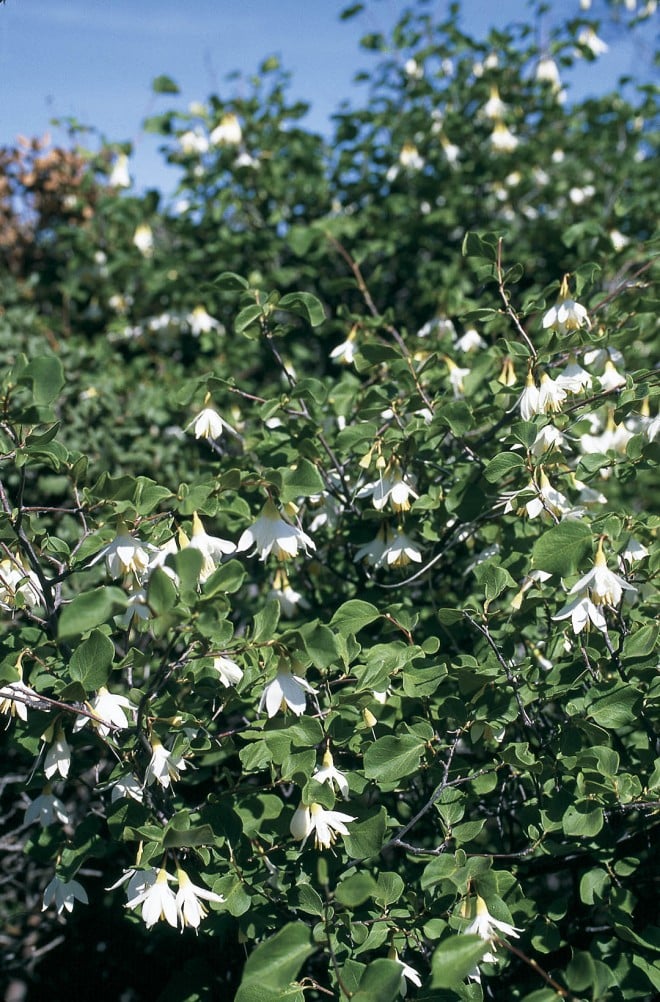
column 327, row 525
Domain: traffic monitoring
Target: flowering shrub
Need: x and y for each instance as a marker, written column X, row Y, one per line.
column 328, row 569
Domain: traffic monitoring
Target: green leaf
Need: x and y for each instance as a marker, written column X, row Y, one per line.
column 91, row 661
column 390, row 759
column 380, row 982
column 582, row 819
column 90, row 609
column 247, row 316
column 46, row 376
column 230, row 280
column 277, row 961
column 164, row 85
column 302, row 481
column 642, row 642
column 175, row 838
column 390, row 888
column 455, row 959
column 355, row 889
column 502, row 465
column 353, row 615
column 265, row 621
column 161, row 591
column 366, row 837
column 562, row 549
column 227, row 579
column 304, row 304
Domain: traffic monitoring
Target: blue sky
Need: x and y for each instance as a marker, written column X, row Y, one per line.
column 94, row 60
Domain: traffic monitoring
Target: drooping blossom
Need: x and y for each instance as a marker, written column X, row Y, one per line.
column 63, row 894
column 325, row 824
column 329, row 774
column 285, row 690
column 271, row 533
column 189, row 899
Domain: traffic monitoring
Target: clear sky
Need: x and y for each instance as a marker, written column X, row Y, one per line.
column 94, row 60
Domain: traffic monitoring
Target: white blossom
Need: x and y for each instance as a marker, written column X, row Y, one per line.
column 347, row 350
column 289, row 599
column 567, row 314
column 46, row 808
column 471, row 340
column 410, row 158
column 119, row 175
column 228, row 671
column 164, row 765
column 108, row 712
column 529, row 402
column 189, row 899
column 16, row 580
column 193, row 141
column 212, row 548
column 590, row 40
column 325, row 824
column 494, row 107
column 63, row 894
column 604, row 586
column 582, row 611
column 127, row 786
column 285, row 690
column 573, row 378
column 502, row 139
column 58, row 756
column 407, row 973
column 551, row 395
column 489, row 929
column 271, row 533
column 15, row 698
column 399, row 550
column 125, row 555
column 143, row 239
column 158, row 901
column 201, row 322
column 391, row 486
column 611, row 378
column 228, row 132
column 207, row 424
column 329, row 774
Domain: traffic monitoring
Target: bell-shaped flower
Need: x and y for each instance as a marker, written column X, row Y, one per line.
column 548, row 438
column 212, row 548
column 457, row 375
column 566, row 315
column 286, row 690
column 58, row 756
column 289, row 599
column 611, row 379
column 207, row 424
column 164, row 765
column 16, row 580
column 489, row 929
column 158, row 901
column 392, row 486
column 408, row 973
column 502, row 139
column 551, row 395
column 399, row 550
column 494, row 107
column 573, row 378
column 529, row 400
column 200, row 321
column 228, row 671
column 633, row 550
column 346, row 351
column 189, row 899
column 470, row 341
column 582, row 612
column 228, row 132
column 119, row 175
column 451, row 151
column 125, row 555
column 372, row 552
column 127, row 786
column 325, row 824
column 547, row 71
column 193, row 142
column 63, row 894
column 271, row 533
column 16, row 697
column 143, row 239
column 108, row 712
column 590, row 40
column 331, row 775
column 410, row 158
column 604, row 586
column 46, row 809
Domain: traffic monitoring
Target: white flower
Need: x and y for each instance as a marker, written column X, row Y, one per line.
column 551, row 395
column 548, row 438
column 286, row 689
column 410, row 157
column 392, row 486
column 46, row 808
column 290, row 600
column 471, row 340
column 488, row 929
column 451, row 151
column 582, row 611
column 245, row 159
column 347, row 350
column 528, row 401
column 546, row 498
column 119, row 176
column 63, row 894
column 407, row 972
column 456, row 377
column 228, row 671
column 502, row 139
column 633, row 550
column 15, row 697
column 207, row 424
column 136, row 608
column 15, row 580
column 325, row 825
column 228, row 132
column 127, row 786
column 270, row 532
column 604, row 586
column 611, row 378
column 164, row 765
column 373, row 551
column 58, row 757
column 201, row 322
column 566, row 315
column 615, row 437
column 193, row 142
column 125, row 555
column 619, row 240
column 108, row 710
column 399, row 550
column 157, row 900
column 590, row 40
column 547, row 71
column 212, row 548
column 191, row 910
column 573, row 378
column 329, row 774
column 143, row 239
column 494, row 107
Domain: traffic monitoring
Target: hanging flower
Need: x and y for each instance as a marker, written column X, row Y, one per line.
column 143, row 239
column 573, row 378
column 611, row 378
column 119, row 176
column 470, row 341
column 502, row 139
column 228, row 132
column 399, row 550
column 489, row 929
column 16, row 580
column 581, row 612
column 228, row 671
column 392, row 486
column 158, row 901
column 407, row 973
column 551, row 395
column 164, row 765
column 189, row 899
column 108, row 712
column 347, row 350
column 271, row 532
column 590, row 40
column 456, row 376
column 547, row 71
column 548, row 438
column 15, row 698
column 325, row 824
column 529, row 402
column 330, row 775
column 410, row 158
column 494, row 108
column 566, row 315
column 125, row 555
column 58, row 756
column 201, row 322
column 604, row 586
column 193, row 142
column 289, row 599
column 212, row 548
column 63, row 894
column 286, row 690
column 46, row 809
column 127, row 786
